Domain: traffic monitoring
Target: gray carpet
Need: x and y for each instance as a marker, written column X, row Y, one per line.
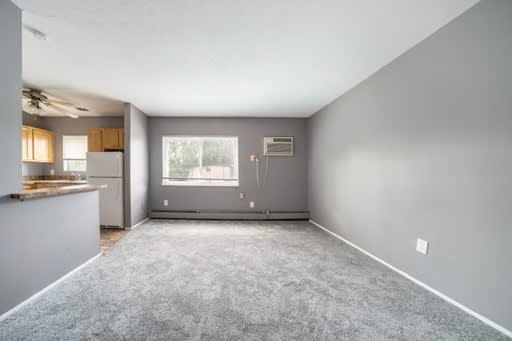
column 199, row 280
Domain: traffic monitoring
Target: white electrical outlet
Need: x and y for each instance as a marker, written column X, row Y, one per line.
column 242, row 195
column 251, row 204
column 52, row 171
column 422, row 246
column 166, row 203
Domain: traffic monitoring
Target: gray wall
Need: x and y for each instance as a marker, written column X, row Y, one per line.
column 40, row 239
column 285, row 191
column 61, row 126
column 34, row 120
column 44, row 239
column 423, row 148
column 10, row 88
column 136, row 165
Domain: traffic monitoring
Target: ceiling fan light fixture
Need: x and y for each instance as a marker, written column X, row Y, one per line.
column 33, row 109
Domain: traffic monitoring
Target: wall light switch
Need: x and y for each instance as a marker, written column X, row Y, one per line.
column 166, row 203
column 422, row 246
column 242, row 195
column 251, row 204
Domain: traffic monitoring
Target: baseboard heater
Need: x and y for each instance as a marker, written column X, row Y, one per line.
column 230, row 215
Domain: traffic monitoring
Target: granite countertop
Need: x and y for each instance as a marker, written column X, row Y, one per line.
column 49, row 177
column 62, row 181
column 53, row 191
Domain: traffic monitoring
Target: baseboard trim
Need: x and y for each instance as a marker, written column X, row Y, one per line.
column 420, row 283
column 45, row 289
column 230, row 215
column 138, row 224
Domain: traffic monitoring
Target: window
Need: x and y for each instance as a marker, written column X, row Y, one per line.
column 74, row 149
column 200, row 161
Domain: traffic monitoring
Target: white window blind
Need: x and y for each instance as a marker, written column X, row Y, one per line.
column 200, row 161
column 74, row 149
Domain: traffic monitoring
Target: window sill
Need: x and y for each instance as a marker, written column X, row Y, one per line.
column 200, row 183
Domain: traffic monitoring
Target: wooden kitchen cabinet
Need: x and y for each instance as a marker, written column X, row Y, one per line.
column 120, row 133
column 26, row 144
column 110, row 138
column 43, row 145
column 105, row 139
column 37, row 144
column 95, row 140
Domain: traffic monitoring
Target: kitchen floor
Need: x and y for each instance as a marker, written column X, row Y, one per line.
column 108, row 237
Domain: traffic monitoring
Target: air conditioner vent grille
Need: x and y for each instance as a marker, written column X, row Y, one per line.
column 278, row 146
column 283, row 139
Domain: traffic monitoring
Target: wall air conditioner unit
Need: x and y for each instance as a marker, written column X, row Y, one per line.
column 278, row 146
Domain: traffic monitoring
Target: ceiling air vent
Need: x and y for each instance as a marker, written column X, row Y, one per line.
column 278, row 146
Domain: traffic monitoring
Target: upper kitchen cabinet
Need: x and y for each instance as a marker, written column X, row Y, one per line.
column 95, row 140
column 26, row 144
column 110, row 139
column 120, row 132
column 43, row 145
column 105, row 139
column 36, row 144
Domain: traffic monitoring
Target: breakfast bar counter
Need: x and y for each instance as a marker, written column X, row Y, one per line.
column 53, row 191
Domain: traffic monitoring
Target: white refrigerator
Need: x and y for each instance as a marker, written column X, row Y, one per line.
column 107, row 169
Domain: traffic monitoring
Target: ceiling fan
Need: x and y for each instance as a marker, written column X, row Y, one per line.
column 37, row 103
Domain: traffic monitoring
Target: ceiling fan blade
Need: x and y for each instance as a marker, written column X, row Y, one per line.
column 27, row 106
column 58, row 102
column 38, row 95
column 27, row 91
column 59, row 109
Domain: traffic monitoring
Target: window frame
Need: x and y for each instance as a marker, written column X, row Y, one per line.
column 64, row 159
column 201, row 183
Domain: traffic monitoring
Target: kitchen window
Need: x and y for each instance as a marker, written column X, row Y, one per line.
column 200, row 161
column 74, row 149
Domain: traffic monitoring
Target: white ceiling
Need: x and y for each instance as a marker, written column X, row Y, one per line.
column 219, row 57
